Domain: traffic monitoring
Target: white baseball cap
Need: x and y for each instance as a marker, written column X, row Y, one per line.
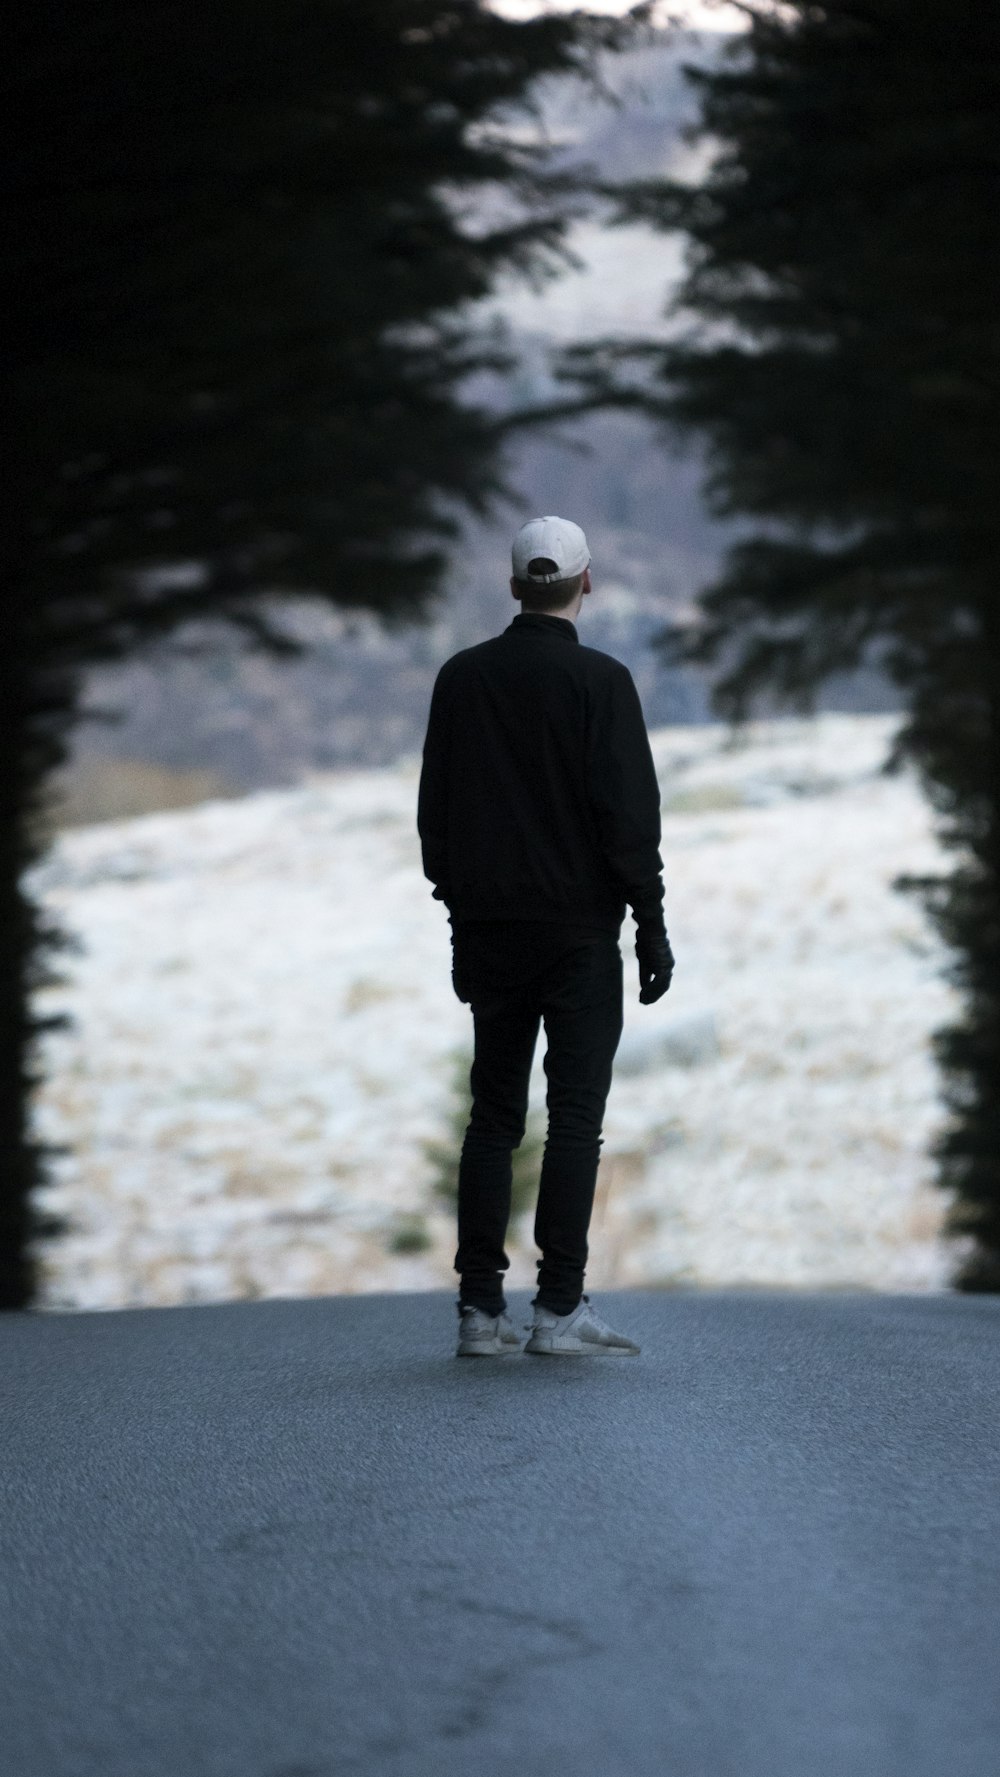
column 551, row 539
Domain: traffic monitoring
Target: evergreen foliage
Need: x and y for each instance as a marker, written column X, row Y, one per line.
column 838, row 349
column 237, row 263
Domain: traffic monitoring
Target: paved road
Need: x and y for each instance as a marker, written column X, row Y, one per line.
column 301, row 1540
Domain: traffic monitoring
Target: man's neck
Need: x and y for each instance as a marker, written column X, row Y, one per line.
column 568, row 614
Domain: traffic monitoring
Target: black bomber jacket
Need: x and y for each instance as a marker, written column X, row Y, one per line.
column 538, row 795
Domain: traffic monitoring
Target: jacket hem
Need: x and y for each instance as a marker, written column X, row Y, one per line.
column 603, row 919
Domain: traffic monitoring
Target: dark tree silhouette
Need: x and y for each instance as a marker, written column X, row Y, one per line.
column 237, row 262
column 843, row 370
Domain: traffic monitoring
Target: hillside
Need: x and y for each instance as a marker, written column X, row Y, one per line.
column 264, row 1034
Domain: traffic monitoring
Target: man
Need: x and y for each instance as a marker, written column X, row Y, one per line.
column 539, row 819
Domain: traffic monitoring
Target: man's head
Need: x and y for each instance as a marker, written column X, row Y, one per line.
column 551, row 565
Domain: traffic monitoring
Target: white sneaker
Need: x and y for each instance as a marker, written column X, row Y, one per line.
column 576, row 1335
column 486, row 1335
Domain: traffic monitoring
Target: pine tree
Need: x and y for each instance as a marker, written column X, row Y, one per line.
column 237, row 269
column 838, row 351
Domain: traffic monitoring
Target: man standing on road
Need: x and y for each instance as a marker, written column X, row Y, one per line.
column 539, row 819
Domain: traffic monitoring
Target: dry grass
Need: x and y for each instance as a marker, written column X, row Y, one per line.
column 92, row 790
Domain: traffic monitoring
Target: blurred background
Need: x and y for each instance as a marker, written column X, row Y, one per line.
column 315, row 306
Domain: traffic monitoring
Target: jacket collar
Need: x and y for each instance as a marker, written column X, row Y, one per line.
column 549, row 625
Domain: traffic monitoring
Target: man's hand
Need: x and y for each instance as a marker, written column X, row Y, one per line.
column 656, row 964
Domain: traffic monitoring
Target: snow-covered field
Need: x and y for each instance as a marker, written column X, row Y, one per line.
column 264, row 1029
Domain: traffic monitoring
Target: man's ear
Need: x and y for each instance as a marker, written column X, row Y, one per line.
column 515, row 589
column 586, row 587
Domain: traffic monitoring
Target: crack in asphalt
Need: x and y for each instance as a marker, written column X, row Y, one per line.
column 485, row 1689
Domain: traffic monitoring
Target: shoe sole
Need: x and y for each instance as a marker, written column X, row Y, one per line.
column 489, row 1351
column 533, row 1350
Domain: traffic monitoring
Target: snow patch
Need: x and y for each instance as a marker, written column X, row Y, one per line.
column 263, row 1032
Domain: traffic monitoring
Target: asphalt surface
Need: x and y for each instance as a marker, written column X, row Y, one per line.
column 300, row 1539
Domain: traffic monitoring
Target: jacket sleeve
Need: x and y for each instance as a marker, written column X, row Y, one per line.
column 625, row 796
column 432, row 798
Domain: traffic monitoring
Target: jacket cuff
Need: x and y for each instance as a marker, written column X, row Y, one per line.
column 647, row 906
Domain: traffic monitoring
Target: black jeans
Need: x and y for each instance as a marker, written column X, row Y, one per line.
column 517, row 974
